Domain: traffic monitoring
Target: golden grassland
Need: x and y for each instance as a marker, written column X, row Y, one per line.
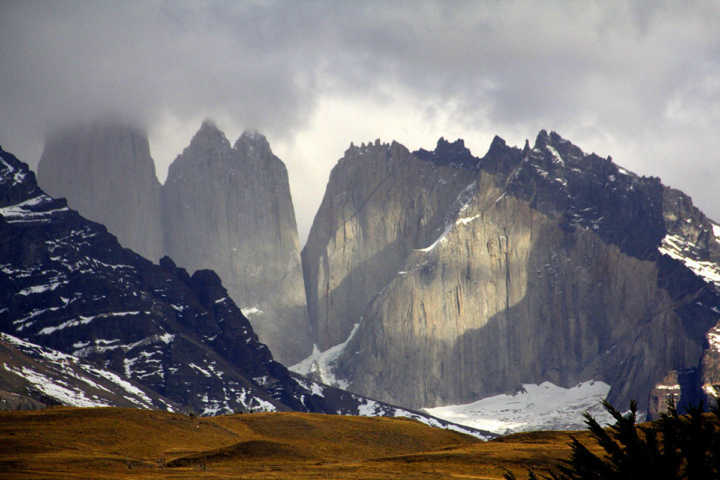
column 114, row 443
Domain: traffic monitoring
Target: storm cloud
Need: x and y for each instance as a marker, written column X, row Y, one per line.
column 638, row 81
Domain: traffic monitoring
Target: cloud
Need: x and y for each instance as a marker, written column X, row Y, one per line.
column 637, row 81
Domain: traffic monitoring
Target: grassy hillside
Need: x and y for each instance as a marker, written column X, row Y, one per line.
column 114, row 443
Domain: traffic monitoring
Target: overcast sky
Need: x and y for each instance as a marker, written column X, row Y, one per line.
column 636, row 80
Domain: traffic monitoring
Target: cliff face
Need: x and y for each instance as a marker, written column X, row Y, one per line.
column 105, row 171
column 229, row 208
column 381, row 203
column 222, row 207
column 519, row 267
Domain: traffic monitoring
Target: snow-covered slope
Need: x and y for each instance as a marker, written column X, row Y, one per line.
column 352, row 404
column 684, row 250
column 535, row 407
column 53, row 377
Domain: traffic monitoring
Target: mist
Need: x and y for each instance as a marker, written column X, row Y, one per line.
column 640, row 81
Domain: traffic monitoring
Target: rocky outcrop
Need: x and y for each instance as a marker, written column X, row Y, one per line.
column 470, row 276
column 105, row 171
column 229, row 209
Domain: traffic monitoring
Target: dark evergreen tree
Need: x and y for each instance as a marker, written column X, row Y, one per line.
column 675, row 446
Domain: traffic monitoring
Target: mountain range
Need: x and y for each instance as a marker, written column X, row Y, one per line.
column 88, row 322
column 430, row 279
column 472, row 276
column 223, row 207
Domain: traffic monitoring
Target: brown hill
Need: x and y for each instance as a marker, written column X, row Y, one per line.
column 113, row 443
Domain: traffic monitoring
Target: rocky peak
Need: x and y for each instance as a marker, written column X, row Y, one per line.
column 500, row 158
column 92, row 165
column 252, row 142
column 208, row 147
column 449, row 153
column 557, row 146
column 542, row 139
column 498, row 145
column 17, row 182
column 209, row 133
column 229, row 209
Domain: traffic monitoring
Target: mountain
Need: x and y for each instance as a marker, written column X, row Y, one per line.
column 75, row 303
column 105, row 171
column 445, row 278
column 223, row 207
column 229, row 209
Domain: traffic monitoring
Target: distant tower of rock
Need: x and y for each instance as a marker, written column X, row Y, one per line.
column 223, row 207
column 106, row 173
column 229, row 209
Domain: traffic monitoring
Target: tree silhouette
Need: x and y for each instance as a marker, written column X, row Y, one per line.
column 673, row 447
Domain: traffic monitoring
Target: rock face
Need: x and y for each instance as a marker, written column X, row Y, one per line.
column 471, row 276
column 229, row 208
column 105, row 171
column 222, row 207
column 84, row 321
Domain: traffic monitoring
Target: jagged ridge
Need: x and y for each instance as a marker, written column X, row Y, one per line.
column 469, row 276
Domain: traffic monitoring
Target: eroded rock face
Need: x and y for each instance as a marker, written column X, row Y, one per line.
column 469, row 276
column 381, row 203
column 105, row 171
column 229, row 209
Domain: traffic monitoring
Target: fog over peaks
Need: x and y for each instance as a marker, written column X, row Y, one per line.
column 637, row 81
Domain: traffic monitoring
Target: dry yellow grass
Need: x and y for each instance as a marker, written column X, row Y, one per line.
column 114, row 443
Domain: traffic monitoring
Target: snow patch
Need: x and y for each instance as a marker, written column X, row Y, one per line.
column 369, row 409
column 677, row 248
column 125, row 385
column 260, row 405
column 322, row 364
column 441, row 239
column 249, row 311
column 62, row 393
column 713, row 338
column 466, row 220
column 83, row 320
column 556, row 156
column 200, row 369
column 461, row 203
column 40, row 288
column 535, row 407
column 21, row 212
column 313, row 387
column 166, row 338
